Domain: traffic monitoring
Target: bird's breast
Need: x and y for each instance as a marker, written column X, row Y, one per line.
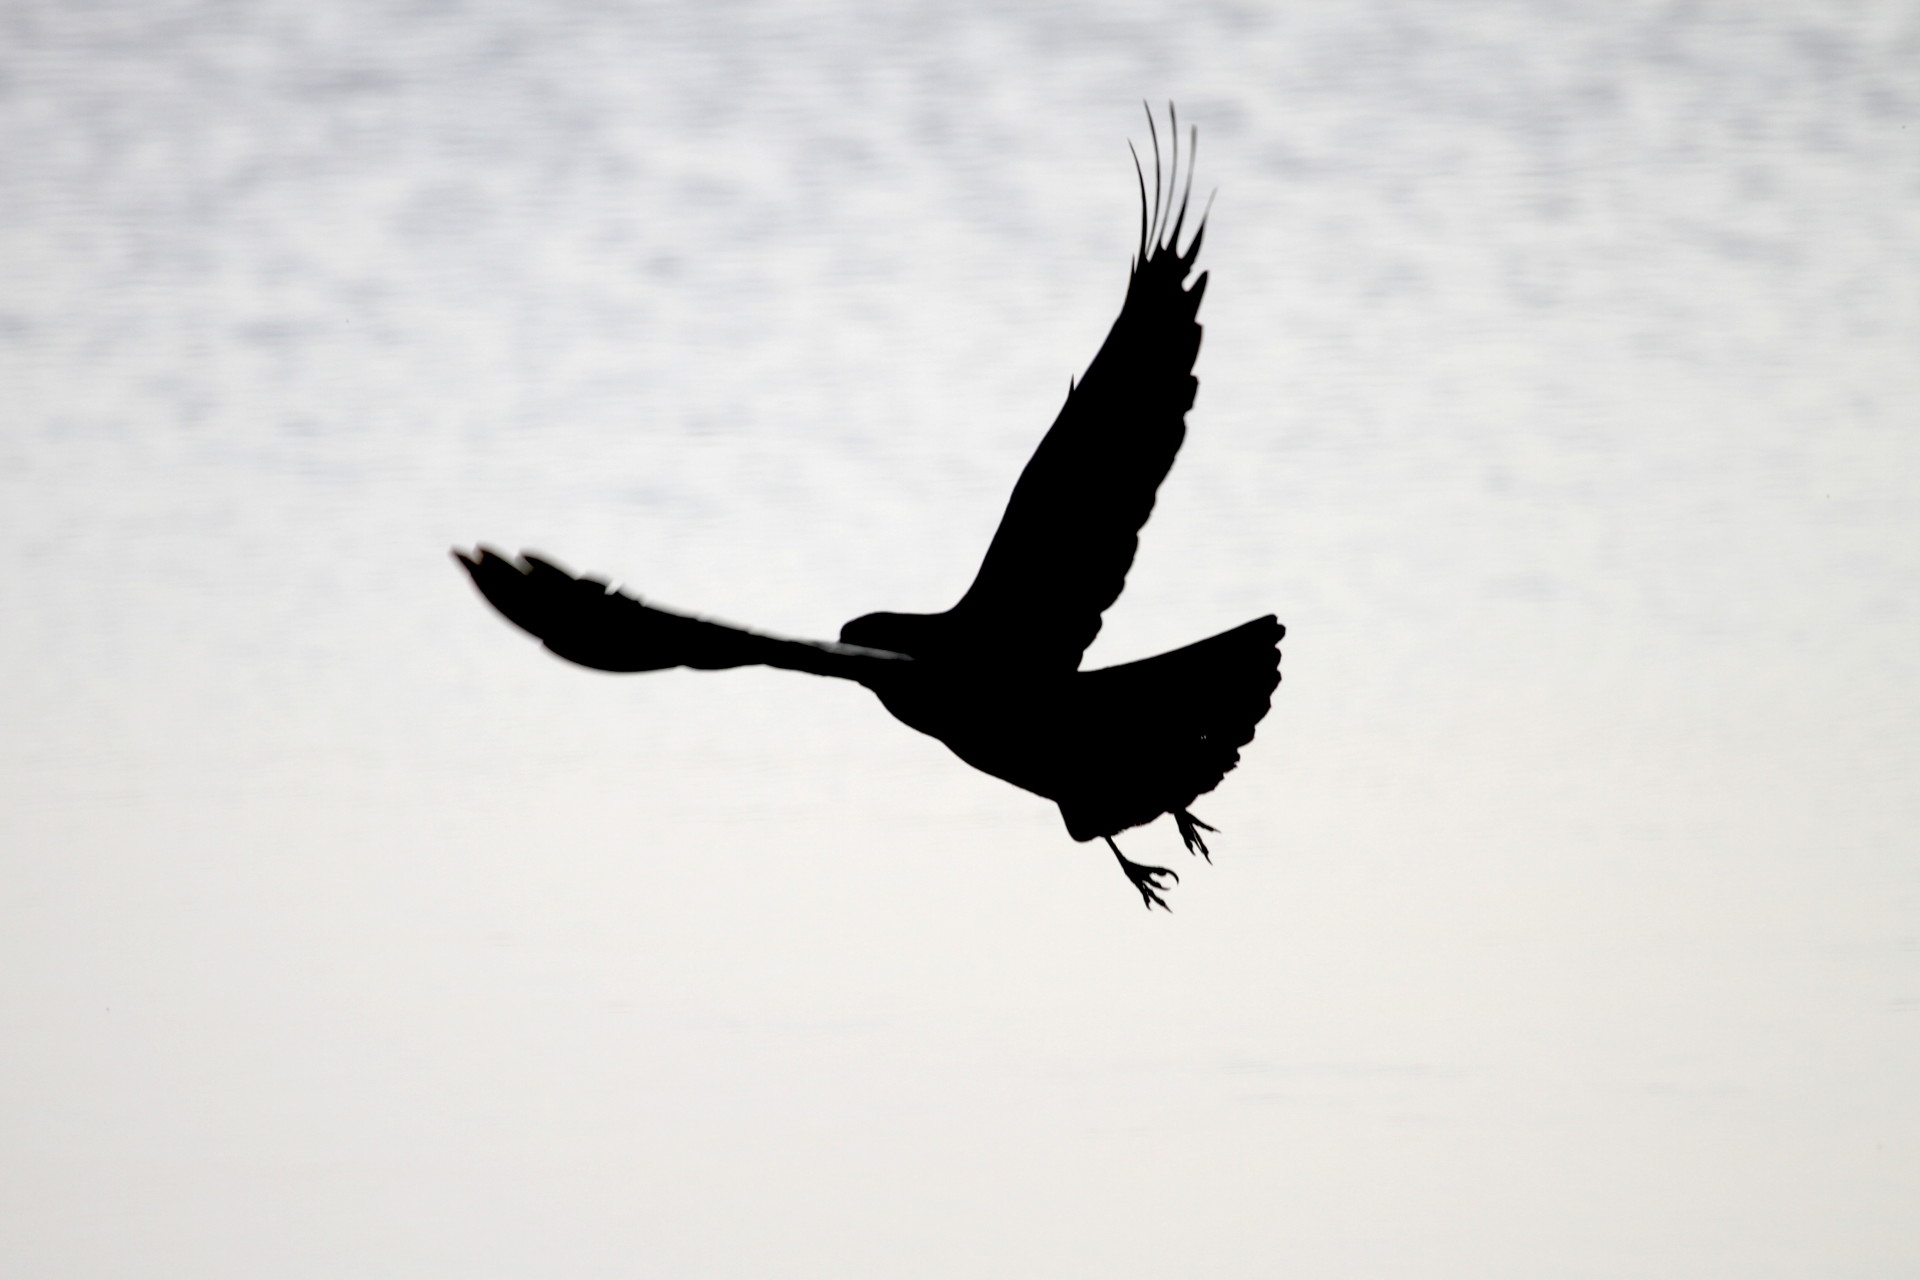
column 1011, row 725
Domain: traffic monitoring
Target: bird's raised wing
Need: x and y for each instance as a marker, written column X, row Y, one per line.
column 1061, row 553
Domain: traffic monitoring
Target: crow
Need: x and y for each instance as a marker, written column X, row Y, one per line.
column 996, row 677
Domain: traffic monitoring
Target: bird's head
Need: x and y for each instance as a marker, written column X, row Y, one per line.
column 915, row 634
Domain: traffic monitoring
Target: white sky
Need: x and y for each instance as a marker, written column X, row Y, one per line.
column 1558, row 392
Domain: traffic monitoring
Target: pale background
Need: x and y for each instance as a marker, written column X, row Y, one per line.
column 1559, row 392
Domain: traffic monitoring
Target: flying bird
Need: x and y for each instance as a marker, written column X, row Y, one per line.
column 996, row 677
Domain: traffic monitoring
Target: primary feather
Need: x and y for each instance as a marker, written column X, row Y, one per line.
column 1061, row 554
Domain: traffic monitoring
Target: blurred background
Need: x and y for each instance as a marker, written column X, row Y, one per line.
column 1559, row 393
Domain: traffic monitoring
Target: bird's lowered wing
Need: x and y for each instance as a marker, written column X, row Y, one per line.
column 585, row 621
column 1061, row 553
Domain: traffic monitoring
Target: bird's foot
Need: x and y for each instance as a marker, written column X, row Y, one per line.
column 1190, row 829
column 1146, row 879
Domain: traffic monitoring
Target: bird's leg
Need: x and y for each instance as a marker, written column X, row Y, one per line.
column 1190, row 829
column 1144, row 878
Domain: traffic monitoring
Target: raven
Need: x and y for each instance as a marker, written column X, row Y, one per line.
column 996, row 677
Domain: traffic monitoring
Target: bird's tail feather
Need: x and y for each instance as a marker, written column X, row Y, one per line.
column 1170, row 727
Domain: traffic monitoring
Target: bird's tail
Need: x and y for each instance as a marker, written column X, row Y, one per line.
column 1169, row 728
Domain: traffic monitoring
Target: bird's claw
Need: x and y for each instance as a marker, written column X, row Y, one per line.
column 1145, row 878
column 1190, row 829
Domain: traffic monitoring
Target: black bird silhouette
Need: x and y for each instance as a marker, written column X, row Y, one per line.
column 996, row 677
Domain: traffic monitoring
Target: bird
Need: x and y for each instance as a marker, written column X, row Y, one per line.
column 997, row 676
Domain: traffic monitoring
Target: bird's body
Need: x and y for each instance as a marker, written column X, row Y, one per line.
column 1114, row 748
column 996, row 678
